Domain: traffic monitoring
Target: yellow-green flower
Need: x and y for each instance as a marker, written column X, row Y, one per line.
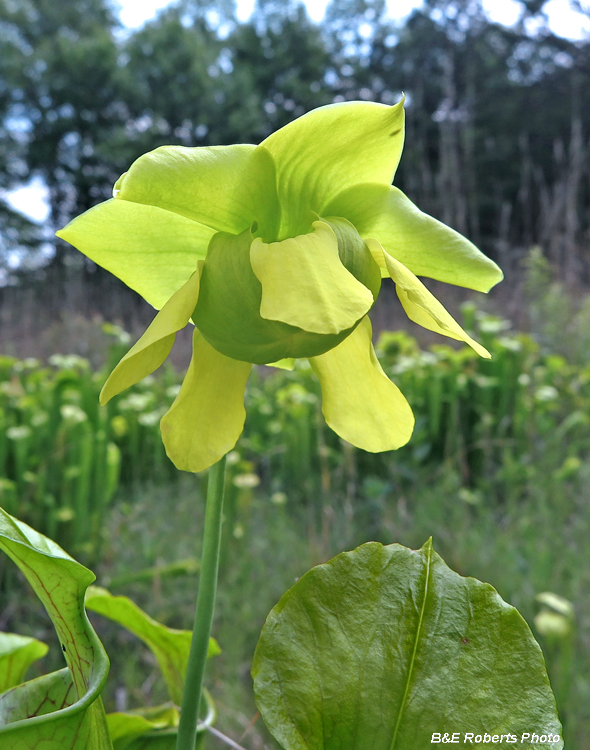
column 276, row 252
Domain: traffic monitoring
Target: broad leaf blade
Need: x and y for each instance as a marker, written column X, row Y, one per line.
column 170, row 647
column 17, row 653
column 383, row 646
column 65, row 709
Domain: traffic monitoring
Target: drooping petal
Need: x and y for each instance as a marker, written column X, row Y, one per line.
column 330, row 149
column 225, row 187
column 207, row 416
column 154, row 346
column 304, row 283
column 423, row 244
column 420, row 305
column 152, row 250
column 359, row 401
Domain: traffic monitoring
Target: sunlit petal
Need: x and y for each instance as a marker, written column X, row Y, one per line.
column 359, row 401
column 288, row 363
column 154, row 346
column 304, row 283
column 420, row 305
column 207, row 417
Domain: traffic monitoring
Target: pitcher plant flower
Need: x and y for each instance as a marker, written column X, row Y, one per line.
column 276, row 252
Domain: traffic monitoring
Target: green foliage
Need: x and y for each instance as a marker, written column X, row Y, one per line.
column 434, row 639
column 17, row 653
column 489, row 421
column 64, row 706
column 383, row 647
column 62, row 456
column 79, row 101
column 69, row 699
column 170, row 647
column 60, row 453
column 272, row 537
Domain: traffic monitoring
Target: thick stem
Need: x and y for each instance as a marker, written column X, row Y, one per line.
column 191, row 699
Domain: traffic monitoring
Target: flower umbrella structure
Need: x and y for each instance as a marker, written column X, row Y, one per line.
column 277, row 252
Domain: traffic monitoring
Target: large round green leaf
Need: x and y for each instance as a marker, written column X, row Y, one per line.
column 383, row 647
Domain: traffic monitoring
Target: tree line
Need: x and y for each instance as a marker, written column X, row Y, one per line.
column 497, row 118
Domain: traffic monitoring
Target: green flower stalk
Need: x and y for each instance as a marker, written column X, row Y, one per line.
column 276, row 252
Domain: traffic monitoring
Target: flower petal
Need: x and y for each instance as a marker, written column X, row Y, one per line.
column 359, row 401
column 420, row 305
column 207, row 417
column 152, row 250
column 329, row 149
column 228, row 311
column 287, row 363
column 425, row 245
column 304, row 283
column 154, row 346
column 225, row 187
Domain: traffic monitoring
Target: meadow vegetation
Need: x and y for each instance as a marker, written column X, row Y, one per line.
column 497, row 472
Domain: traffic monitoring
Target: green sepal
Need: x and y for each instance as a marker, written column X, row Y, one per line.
column 381, row 647
column 152, row 250
column 27, row 718
column 330, row 149
column 422, row 243
column 226, row 188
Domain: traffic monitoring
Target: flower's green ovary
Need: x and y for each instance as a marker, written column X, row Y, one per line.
column 262, row 224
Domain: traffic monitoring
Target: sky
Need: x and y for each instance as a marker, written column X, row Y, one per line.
column 31, row 200
column 562, row 19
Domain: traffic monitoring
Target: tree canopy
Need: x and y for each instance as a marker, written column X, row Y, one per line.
column 497, row 118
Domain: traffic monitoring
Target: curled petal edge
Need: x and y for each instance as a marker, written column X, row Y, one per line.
column 154, row 346
column 420, row 305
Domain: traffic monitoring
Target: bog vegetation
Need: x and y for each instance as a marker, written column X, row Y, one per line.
column 497, row 471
